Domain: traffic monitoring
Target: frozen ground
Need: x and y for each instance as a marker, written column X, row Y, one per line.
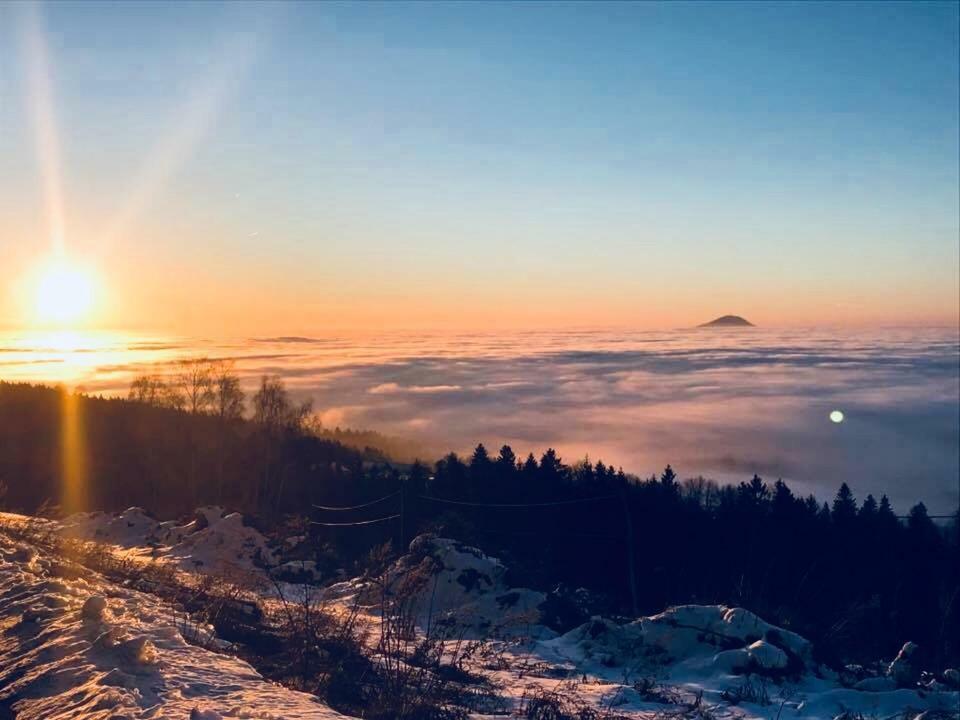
column 62, row 658
column 73, row 646
column 696, row 661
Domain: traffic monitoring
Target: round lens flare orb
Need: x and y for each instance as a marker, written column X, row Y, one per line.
column 64, row 292
column 836, row 416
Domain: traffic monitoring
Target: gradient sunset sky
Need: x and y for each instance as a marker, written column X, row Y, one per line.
column 291, row 168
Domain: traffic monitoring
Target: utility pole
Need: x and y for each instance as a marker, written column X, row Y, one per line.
column 403, row 534
column 631, row 561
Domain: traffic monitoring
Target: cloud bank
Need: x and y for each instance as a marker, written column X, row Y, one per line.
column 721, row 404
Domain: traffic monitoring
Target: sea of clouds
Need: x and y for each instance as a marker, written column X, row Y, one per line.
column 721, row 403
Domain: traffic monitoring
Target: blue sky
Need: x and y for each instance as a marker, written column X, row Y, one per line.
column 795, row 163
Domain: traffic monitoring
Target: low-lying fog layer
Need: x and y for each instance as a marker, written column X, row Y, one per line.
column 722, row 403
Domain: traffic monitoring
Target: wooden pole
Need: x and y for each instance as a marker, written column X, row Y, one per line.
column 631, row 560
column 403, row 487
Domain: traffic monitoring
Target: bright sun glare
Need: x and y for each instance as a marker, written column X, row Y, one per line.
column 65, row 292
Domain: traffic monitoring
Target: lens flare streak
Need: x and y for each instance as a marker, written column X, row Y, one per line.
column 73, row 454
column 34, row 49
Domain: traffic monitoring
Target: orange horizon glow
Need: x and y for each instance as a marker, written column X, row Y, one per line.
column 171, row 256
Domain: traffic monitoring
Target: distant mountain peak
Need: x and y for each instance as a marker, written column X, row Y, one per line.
column 729, row 321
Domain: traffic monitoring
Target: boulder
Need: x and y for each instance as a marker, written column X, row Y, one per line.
column 139, row 651
column 875, row 684
column 903, row 670
column 767, row 656
column 93, row 608
column 732, row 661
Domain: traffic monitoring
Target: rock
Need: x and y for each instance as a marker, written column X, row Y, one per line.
column 759, row 655
column 198, row 714
column 564, row 609
column 875, row 684
column 118, row 678
column 732, row 661
column 301, row 572
column 55, row 586
column 93, row 608
column 24, row 555
column 903, row 670
column 140, row 651
column 767, row 656
column 108, row 640
column 951, row 676
column 849, row 675
column 33, row 614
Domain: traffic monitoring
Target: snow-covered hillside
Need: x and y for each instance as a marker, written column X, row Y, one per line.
column 73, row 645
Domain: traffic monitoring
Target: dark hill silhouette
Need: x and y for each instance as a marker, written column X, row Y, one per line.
column 729, row 321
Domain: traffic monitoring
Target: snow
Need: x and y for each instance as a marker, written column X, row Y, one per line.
column 466, row 588
column 710, row 651
column 212, row 541
column 297, row 570
column 85, row 648
column 73, row 646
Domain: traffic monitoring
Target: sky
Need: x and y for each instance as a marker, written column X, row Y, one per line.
column 236, row 169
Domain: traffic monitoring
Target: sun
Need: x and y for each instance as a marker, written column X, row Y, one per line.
column 65, row 292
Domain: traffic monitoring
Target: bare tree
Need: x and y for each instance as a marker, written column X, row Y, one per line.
column 147, row 389
column 228, row 398
column 271, row 404
column 155, row 390
column 228, row 408
column 195, row 378
column 275, row 415
column 173, row 397
column 274, row 411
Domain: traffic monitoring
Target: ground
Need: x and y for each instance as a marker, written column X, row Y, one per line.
column 76, row 645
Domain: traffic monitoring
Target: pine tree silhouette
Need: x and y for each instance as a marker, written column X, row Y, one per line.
column 844, row 506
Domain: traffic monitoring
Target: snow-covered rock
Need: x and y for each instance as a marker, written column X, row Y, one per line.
column 131, row 528
column 903, row 671
column 767, row 656
column 211, row 541
column 302, row 571
column 875, row 684
column 198, row 714
column 456, row 584
column 226, row 544
column 139, row 651
column 93, row 608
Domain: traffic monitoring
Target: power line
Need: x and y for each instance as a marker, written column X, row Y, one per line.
column 357, row 507
column 354, row 524
column 597, row 536
column 518, row 505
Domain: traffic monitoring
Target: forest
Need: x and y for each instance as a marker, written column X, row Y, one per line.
column 851, row 574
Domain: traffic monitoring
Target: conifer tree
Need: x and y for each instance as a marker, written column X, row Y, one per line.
column 844, row 505
column 668, row 481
